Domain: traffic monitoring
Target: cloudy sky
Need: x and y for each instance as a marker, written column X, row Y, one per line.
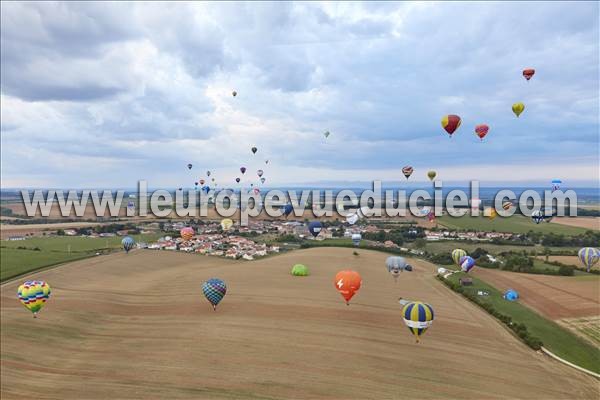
column 102, row 95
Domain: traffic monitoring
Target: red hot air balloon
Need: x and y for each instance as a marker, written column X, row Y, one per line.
column 481, row 130
column 528, row 73
column 347, row 283
column 451, row 123
column 407, row 171
column 201, row 181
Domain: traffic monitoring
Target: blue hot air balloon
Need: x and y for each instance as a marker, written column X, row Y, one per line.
column 511, row 295
column 466, row 263
column 315, row 228
column 356, row 238
column 287, row 209
column 128, row 243
column 556, row 184
column 214, row 290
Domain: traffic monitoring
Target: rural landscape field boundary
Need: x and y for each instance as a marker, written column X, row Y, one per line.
column 577, row 367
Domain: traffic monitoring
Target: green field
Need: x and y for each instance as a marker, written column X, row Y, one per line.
column 53, row 250
column 514, row 224
column 555, row 338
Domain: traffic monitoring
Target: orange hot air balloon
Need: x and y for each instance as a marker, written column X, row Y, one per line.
column 187, row 233
column 450, row 123
column 528, row 73
column 347, row 283
column 481, row 130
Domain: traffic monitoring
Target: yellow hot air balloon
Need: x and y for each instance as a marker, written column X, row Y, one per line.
column 518, row 108
column 457, row 254
column 226, row 224
column 431, row 175
column 33, row 295
column 490, row 212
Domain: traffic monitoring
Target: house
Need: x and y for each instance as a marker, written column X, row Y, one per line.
column 17, row 238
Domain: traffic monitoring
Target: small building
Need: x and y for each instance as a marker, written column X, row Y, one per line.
column 17, row 238
column 465, row 281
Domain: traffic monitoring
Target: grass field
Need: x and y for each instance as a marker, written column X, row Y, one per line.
column 53, row 250
column 556, row 339
column 514, row 224
column 587, row 327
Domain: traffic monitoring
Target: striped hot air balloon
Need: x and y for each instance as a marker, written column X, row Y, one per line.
column 481, row 130
column 226, row 224
column 457, row 254
column 127, row 243
column 589, row 256
column 418, row 316
column 467, row 263
column 214, row 290
column 451, row 123
column 407, row 171
column 33, row 295
column 187, row 233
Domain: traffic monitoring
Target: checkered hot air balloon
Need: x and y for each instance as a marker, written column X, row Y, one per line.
column 418, row 317
column 33, row 295
column 214, row 290
column 589, row 256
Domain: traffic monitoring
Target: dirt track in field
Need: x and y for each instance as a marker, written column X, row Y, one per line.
column 554, row 297
column 137, row 326
column 592, row 223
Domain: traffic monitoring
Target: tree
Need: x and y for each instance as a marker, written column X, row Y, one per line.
column 60, row 232
column 420, row 243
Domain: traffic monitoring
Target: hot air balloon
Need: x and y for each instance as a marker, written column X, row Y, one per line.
column 352, row 218
column 207, row 173
column 127, row 243
column 33, row 295
column 256, row 190
column 450, row 123
column 234, row 93
column 542, row 215
column 431, row 175
column 556, row 184
column 131, row 205
column 187, row 233
column 347, row 283
column 262, row 180
column 466, row 263
column 254, row 150
column 212, row 179
column 195, row 183
column 243, row 170
column 407, row 171
column 506, row 205
column 214, row 290
column 457, row 254
column 189, row 166
column 431, row 216
column 356, row 238
column 481, row 130
column 589, row 256
column 300, row 270
column 490, row 212
column 395, row 265
column 418, row 317
column 528, row 73
column 237, row 180
column 326, row 134
column 518, row 108
column 260, row 173
column 511, row 295
column 315, row 228
column 266, row 161
column 201, row 181
column 226, row 224
column 287, row 209
column 206, row 189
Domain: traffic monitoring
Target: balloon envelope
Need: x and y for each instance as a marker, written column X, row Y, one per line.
column 589, row 256
column 467, row 263
column 33, row 295
column 457, row 254
column 187, row 233
column 315, row 228
column 300, row 270
column 254, row 149
column 189, row 166
column 347, row 283
column 243, row 170
column 481, row 130
column 260, row 173
column 226, row 224
column 518, row 108
column 418, row 317
column 431, row 175
column 395, row 265
column 127, row 243
column 352, row 219
column 356, row 238
column 287, row 209
column 407, row 171
column 214, row 290
column 451, row 123
column 511, row 295
column 528, row 73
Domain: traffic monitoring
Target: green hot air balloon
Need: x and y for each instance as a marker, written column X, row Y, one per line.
column 300, row 270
